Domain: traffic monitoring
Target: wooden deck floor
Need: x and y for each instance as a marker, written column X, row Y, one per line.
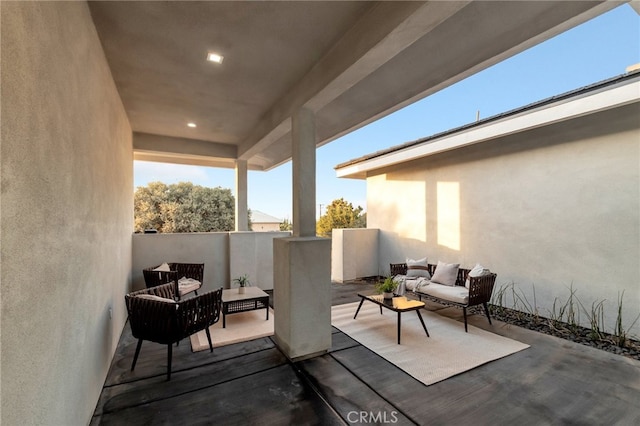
column 253, row 383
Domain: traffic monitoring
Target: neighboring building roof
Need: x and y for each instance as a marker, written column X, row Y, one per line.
column 259, row 217
column 610, row 93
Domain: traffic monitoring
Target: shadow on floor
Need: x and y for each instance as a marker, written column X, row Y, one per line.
column 552, row 382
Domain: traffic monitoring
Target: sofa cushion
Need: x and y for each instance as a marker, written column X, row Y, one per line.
column 156, row 298
column 187, row 285
column 456, row 294
column 445, row 273
column 418, row 268
column 477, row 271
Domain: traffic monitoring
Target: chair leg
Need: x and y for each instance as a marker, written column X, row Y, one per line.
column 464, row 312
column 135, row 357
column 169, row 353
column 209, row 338
column 486, row 311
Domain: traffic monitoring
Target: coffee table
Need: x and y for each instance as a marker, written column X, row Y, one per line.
column 397, row 304
column 252, row 299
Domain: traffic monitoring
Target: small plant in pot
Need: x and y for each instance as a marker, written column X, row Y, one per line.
column 242, row 281
column 387, row 287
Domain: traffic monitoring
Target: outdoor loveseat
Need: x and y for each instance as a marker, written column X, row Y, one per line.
column 447, row 284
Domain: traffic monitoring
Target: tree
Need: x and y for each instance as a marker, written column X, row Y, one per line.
column 183, row 207
column 286, row 225
column 340, row 214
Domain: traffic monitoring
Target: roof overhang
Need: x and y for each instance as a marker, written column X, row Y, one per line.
column 349, row 62
column 600, row 97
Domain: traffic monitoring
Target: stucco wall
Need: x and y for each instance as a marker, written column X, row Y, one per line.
column 548, row 209
column 354, row 254
column 67, row 203
column 226, row 255
column 251, row 253
column 210, row 248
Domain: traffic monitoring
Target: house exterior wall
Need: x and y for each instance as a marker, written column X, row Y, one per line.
column 265, row 227
column 67, row 214
column 548, row 209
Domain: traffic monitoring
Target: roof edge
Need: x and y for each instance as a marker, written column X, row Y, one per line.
column 575, row 94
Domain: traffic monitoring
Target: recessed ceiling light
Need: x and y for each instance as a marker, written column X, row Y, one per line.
column 191, row 124
column 214, row 57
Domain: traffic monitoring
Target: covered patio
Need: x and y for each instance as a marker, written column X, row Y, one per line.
column 552, row 382
column 87, row 87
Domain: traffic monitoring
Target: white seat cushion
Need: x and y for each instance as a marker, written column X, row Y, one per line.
column 456, row 294
column 156, row 298
column 187, row 285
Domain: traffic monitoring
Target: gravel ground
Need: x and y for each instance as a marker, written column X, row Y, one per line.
column 604, row 341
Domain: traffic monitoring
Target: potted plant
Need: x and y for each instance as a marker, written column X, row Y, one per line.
column 242, row 281
column 387, row 287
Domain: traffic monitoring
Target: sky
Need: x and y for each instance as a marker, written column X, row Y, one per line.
column 594, row 51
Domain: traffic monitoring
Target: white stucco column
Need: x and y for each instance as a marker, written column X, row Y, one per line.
column 303, row 135
column 302, row 263
column 242, row 223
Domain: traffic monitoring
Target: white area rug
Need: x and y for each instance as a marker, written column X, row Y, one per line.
column 449, row 350
column 240, row 328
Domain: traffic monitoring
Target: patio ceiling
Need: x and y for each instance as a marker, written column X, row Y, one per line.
column 349, row 62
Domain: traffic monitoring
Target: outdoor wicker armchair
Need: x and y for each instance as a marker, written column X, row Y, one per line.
column 194, row 272
column 156, row 317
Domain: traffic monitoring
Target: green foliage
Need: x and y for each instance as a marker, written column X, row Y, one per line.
column 620, row 332
column 340, row 214
column 242, row 281
column 564, row 318
column 567, row 313
column 286, row 225
column 183, row 207
column 249, row 219
column 386, row 286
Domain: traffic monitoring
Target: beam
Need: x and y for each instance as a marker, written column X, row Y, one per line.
column 380, row 34
column 167, row 145
column 354, row 94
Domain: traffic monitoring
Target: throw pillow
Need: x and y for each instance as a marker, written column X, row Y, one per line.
column 163, row 268
column 445, row 273
column 477, row 271
column 418, row 268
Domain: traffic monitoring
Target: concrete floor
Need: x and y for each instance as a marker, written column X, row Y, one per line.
column 554, row 382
